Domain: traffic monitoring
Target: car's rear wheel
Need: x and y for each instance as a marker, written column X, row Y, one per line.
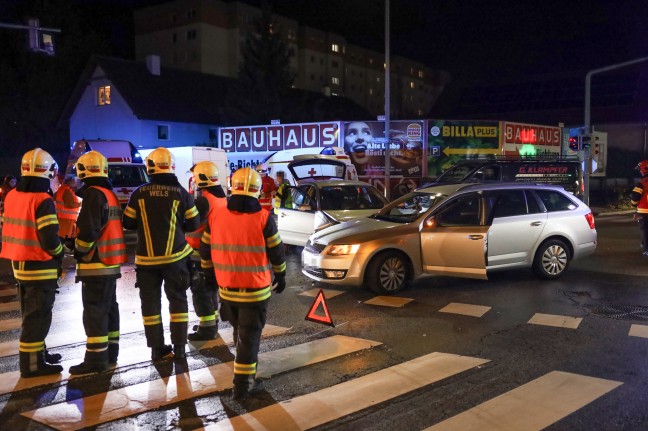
column 551, row 259
column 388, row 273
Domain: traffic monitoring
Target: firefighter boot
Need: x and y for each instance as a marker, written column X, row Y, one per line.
column 52, row 358
column 179, row 352
column 32, row 364
column 245, row 386
column 159, row 353
column 113, row 353
column 204, row 333
column 94, row 362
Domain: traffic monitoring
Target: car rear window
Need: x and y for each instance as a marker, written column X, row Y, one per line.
column 555, row 201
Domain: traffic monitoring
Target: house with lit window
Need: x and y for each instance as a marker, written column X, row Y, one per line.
column 153, row 106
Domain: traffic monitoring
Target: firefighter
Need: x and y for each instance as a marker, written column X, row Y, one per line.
column 203, row 288
column 67, row 211
column 639, row 199
column 30, row 240
column 99, row 251
column 162, row 211
column 268, row 187
column 241, row 258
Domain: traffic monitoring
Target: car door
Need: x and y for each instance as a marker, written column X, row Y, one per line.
column 295, row 224
column 453, row 238
column 516, row 224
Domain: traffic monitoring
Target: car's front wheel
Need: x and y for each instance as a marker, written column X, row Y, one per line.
column 388, row 273
column 551, row 259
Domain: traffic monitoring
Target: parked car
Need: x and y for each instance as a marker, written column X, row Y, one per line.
column 561, row 171
column 462, row 230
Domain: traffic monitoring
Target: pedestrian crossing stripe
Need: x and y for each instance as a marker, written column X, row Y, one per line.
column 555, row 320
column 128, row 355
column 9, row 306
column 328, row 293
column 314, row 317
column 116, row 404
column 533, row 406
column 638, row 331
column 8, row 291
column 326, row 405
column 389, row 301
column 465, row 309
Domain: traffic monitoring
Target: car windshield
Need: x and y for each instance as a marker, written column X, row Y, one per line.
column 351, row 197
column 409, row 207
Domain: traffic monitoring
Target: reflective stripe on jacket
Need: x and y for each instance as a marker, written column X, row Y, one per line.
column 193, row 238
column 20, row 240
column 65, row 212
column 238, row 250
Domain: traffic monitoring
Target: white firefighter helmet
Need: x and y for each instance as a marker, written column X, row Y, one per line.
column 205, row 174
column 160, row 161
column 38, row 163
column 92, row 164
column 246, row 181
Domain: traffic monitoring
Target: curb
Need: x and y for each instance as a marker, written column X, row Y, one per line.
column 602, row 213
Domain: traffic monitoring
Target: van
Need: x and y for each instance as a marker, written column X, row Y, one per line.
column 279, row 161
column 126, row 170
column 565, row 172
column 186, row 157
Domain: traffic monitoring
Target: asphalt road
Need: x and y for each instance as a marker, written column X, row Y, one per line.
column 595, row 306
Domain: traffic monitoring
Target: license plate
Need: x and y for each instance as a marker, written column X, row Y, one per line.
column 309, row 259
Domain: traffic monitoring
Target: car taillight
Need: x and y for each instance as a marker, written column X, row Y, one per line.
column 590, row 220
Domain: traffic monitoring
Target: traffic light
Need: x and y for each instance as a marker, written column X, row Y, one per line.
column 575, row 143
column 585, row 141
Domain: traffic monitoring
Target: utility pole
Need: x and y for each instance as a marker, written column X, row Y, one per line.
column 387, row 105
column 587, row 127
column 39, row 38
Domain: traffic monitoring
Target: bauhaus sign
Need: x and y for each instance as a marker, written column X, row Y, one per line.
column 279, row 137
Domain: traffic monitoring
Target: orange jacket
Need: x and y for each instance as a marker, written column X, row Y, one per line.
column 193, row 238
column 238, row 250
column 64, row 211
column 20, row 240
column 268, row 189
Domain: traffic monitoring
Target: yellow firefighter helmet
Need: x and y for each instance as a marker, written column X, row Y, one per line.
column 160, row 161
column 38, row 163
column 92, row 164
column 246, row 181
column 205, row 174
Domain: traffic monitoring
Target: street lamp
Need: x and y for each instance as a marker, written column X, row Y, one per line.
column 588, row 132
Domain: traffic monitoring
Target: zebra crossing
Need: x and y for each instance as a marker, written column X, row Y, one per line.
column 533, row 405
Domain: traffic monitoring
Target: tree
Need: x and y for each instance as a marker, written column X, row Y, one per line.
column 265, row 77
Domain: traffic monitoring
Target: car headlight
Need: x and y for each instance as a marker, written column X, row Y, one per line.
column 342, row 249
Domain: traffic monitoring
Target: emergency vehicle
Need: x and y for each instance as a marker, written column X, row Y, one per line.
column 126, row 170
column 279, row 161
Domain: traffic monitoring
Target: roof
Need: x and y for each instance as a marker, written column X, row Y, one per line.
column 184, row 96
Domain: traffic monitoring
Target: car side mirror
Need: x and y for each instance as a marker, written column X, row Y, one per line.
column 430, row 224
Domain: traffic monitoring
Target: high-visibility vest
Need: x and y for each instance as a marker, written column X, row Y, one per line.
column 642, row 206
column 63, row 212
column 193, row 238
column 238, row 249
column 20, row 230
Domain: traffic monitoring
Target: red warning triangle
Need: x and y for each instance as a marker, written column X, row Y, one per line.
column 312, row 316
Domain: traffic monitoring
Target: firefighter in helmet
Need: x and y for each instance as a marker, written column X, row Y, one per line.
column 99, row 249
column 268, row 187
column 30, row 240
column 242, row 258
column 639, row 199
column 162, row 211
column 204, row 291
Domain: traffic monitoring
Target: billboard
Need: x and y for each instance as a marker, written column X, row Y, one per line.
column 530, row 140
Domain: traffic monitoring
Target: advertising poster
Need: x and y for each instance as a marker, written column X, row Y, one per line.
column 450, row 141
column 365, row 143
column 531, row 140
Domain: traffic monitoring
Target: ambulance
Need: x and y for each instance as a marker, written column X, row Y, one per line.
column 279, row 161
column 126, row 170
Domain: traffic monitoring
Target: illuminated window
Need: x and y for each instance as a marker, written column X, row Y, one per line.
column 411, row 84
column 420, row 74
column 335, row 47
column 371, row 91
column 163, row 132
column 103, row 95
column 419, row 112
column 335, row 80
column 377, row 78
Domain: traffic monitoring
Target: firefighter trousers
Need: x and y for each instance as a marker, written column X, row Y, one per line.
column 247, row 320
column 204, row 295
column 36, row 303
column 100, row 316
column 175, row 277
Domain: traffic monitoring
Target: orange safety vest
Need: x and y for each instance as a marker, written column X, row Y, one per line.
column 265, row 196
column 193, row 238
column 63, row 212
column 238, row 249
column 20, row 232
column 111, row 245
column 642, row 206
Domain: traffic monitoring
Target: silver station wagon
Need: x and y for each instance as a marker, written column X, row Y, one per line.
column 461, row 230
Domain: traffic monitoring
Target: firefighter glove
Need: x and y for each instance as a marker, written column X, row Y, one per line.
column 279, row 283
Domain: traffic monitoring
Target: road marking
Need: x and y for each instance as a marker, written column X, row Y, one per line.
column 389, row 301
column 9, row 306
column 326, row 405
column 465, row 309
column 8, row 291
column 128, row 355
column 638, row 331
column 555, row 320
column 328, row 293
column 112, row 405
column 533, row 406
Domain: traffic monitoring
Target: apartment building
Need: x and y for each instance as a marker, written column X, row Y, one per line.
column 208, row 36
